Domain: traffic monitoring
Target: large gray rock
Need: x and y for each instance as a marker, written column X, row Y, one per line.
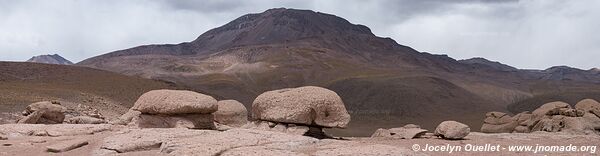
column 53, row 111
column 304, row 105
column 193, row 121
column 452, row 130
column 175, row 102
column 231, row 113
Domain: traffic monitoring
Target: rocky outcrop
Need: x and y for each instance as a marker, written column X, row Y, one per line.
column 551, row 117
column 231, row 113
column 452, row 130
column 409, row 131
column 51, row 113
column 304, row 105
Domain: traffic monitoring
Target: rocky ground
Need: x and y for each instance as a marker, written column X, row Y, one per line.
column 105, row 139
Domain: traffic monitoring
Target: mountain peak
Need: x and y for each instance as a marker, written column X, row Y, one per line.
column 279, row 25
column 50, row 59
column 485, row 62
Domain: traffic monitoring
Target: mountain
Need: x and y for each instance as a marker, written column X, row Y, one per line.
column 478, row 61
column 22, row 83
column 50, row 59
column 382, row 83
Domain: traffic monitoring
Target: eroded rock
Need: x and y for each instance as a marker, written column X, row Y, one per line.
column 231, row 113
column 175, row 102
column 304, row 105
column 452, row 130
column 193, row 121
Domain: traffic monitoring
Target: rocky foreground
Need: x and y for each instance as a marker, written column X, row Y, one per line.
column 106, row 139
column 284, row 122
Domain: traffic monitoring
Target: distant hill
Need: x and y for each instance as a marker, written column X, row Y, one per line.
column 22, row 83
column 50, row 59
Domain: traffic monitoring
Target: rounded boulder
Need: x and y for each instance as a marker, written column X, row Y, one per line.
column 304, row 105
column 175, row 102
column 231, row 113
column 452, row 130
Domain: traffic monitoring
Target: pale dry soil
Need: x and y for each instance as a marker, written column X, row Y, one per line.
column 107, row 139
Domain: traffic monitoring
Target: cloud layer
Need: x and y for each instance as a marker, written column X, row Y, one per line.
column 526, row 34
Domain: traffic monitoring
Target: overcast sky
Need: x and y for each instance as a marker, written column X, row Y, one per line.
column 533, row 34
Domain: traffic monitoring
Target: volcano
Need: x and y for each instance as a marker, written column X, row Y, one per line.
column 383, row 84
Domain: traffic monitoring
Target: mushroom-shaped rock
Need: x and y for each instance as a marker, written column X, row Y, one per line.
column 452, row 130
column 589, row 105
column 175, row 102
column 304, row 105
column 53, row 111
column 231, row 113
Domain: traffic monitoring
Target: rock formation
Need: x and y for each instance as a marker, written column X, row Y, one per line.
column 550, row 117
column 45, row 112
column 172, row 109
column 296, row 110
column 452, row 130
column 304, row 105
column 231, row 113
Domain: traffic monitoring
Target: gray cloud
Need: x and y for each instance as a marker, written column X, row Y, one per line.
column 526, row 34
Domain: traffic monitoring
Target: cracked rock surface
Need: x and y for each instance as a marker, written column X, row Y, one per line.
column 105, row 139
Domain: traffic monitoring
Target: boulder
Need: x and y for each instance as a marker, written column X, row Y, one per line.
column 53, row 112
column 304, row 105
column 175, row 102
column 452, row 130
column 589, row 106
column 32, row 118
column 549, row 108
column 192, row 121
column 231, row 113
column 85, row 120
